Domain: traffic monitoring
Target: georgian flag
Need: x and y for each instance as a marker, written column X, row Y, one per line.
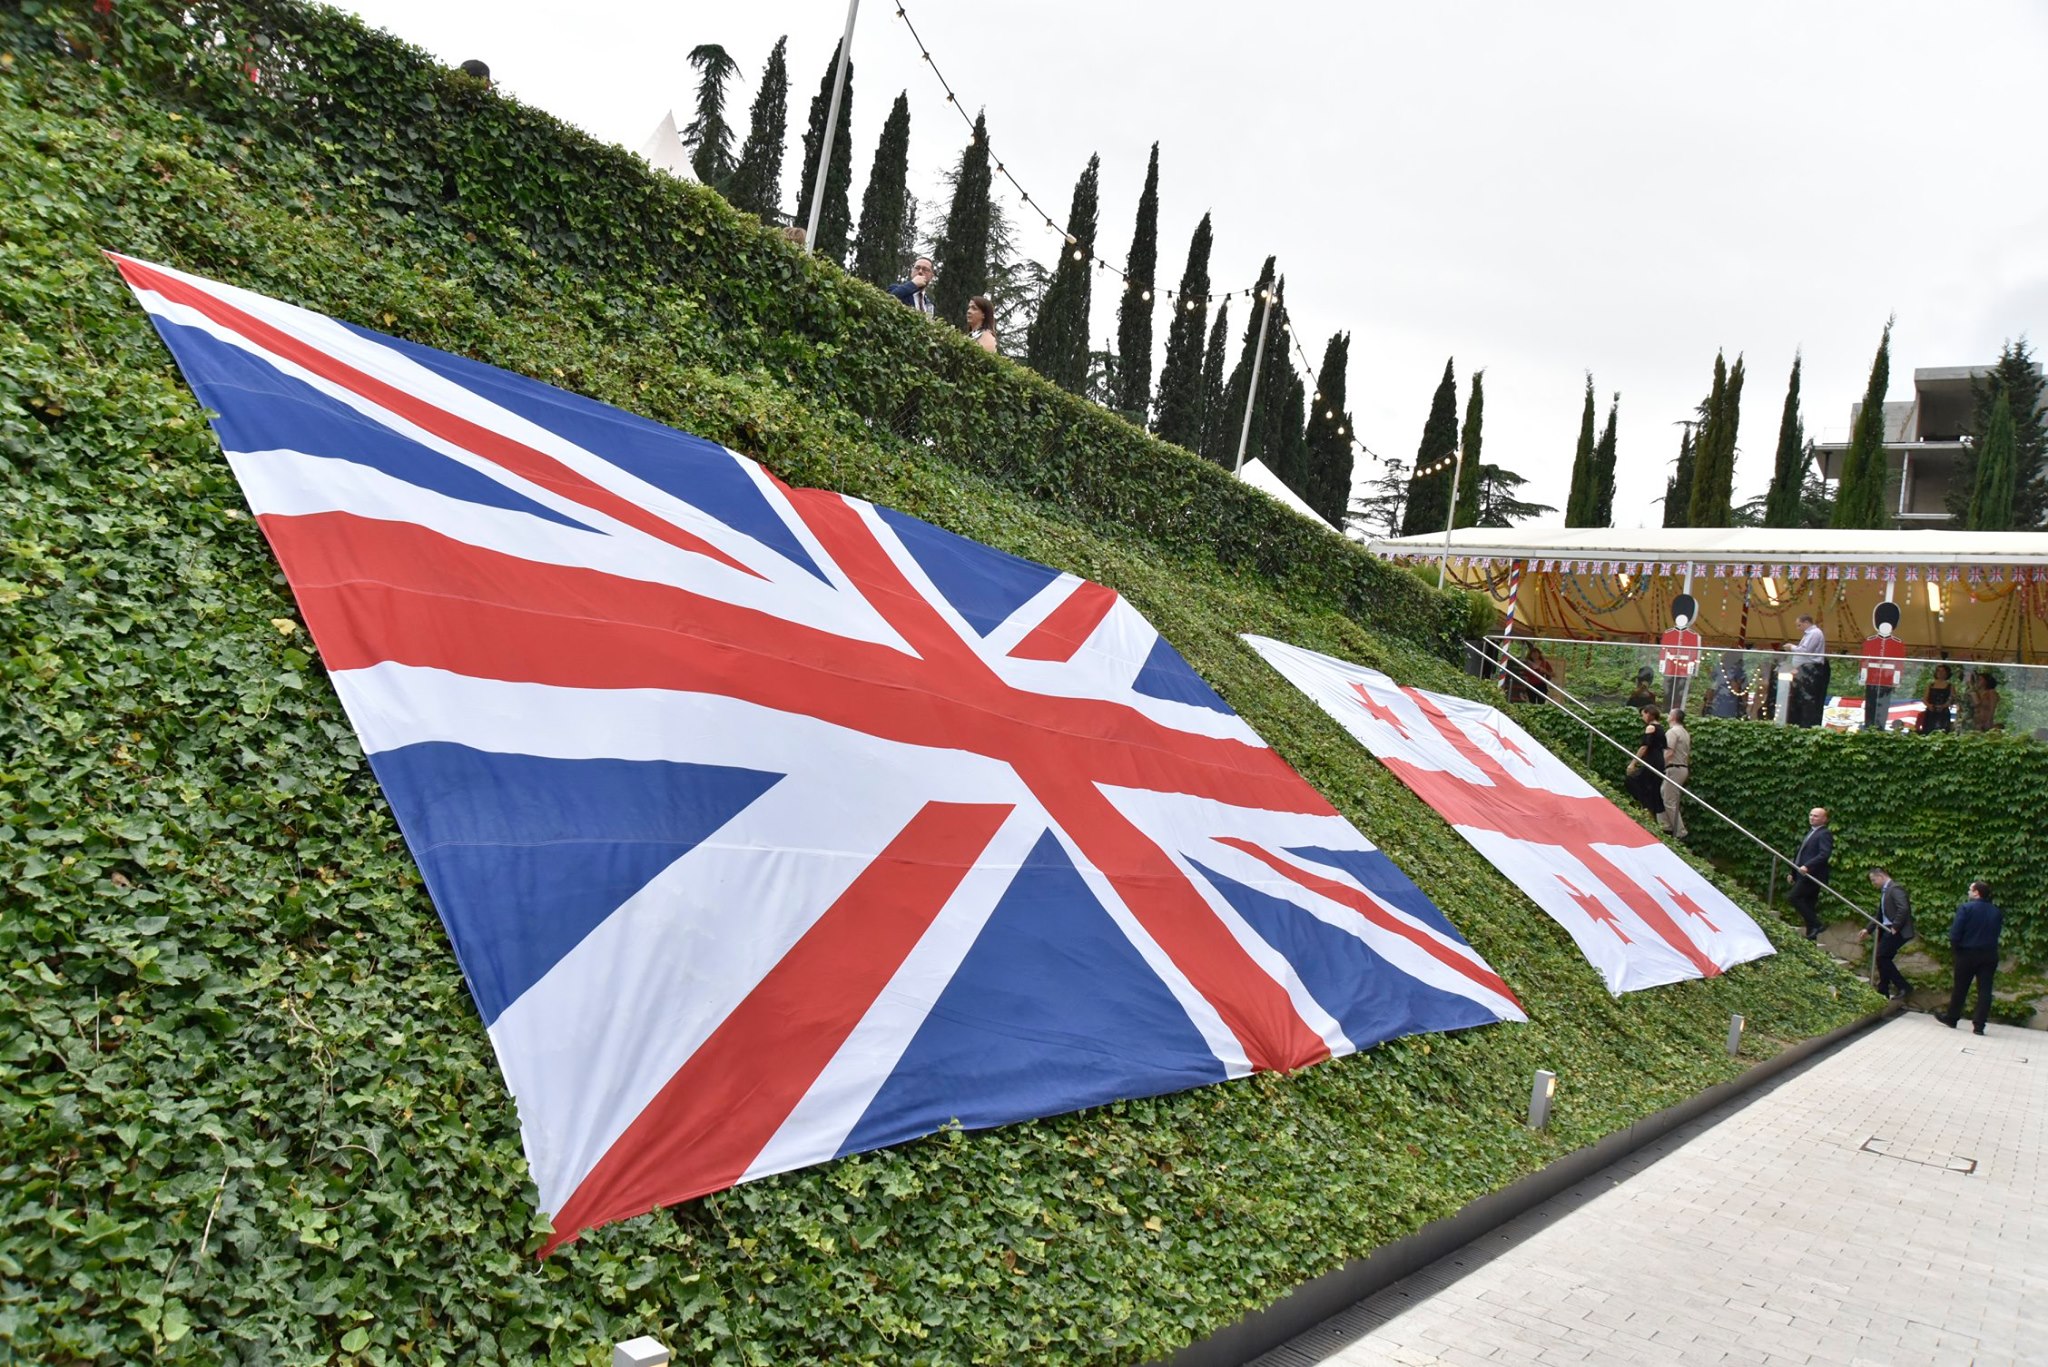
column 1641, row 915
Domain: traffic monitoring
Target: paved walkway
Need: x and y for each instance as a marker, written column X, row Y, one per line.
column 1883, row 1206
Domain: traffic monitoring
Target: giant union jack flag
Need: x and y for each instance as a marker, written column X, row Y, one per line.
column 770, row 825
column 1638, row 912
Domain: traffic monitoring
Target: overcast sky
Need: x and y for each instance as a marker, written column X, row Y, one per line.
column 1535, row 190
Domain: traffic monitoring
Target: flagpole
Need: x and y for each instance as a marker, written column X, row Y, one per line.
column 831, row 126
column 1251, row 393
column 1451, row 517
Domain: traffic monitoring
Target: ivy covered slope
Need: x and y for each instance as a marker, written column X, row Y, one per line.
column 249, row 1114
column 1938, row 811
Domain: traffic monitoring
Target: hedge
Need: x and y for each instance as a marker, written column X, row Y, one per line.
column 1938, row 811
column 251, row 1116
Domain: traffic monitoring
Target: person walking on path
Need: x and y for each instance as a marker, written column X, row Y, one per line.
column 1894, row 928
column 1677, row 772
column 1645, row 777
column 1810, row 870
column 1973, row 935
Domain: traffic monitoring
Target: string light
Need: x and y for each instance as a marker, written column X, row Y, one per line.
column 1103, row 263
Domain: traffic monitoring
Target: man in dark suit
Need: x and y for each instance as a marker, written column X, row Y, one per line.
column 912, row 291
column 1810, row 870
column 1894, row 928
column 1973, row 935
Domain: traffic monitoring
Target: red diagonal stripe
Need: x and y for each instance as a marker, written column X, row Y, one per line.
column 713, row 1117
column 374, row 591
column 1372, row 911
column 520, row 459
column 1067, row 627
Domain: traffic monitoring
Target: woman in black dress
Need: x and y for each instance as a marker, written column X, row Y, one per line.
column 1938, row 702
column 1645, row 780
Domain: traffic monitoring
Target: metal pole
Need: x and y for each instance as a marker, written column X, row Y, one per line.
column 1451, row 517
column 831, row 127
column 1251, row 393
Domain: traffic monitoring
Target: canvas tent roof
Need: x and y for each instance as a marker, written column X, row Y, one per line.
column 1266, row 482
column 1974, row 594
column 664, row 149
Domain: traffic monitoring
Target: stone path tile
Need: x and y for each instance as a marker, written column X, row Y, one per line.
column 1883, row 1206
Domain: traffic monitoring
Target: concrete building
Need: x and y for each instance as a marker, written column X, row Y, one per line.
column 1927, row 442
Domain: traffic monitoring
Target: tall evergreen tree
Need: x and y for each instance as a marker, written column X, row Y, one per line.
column 1578, row 506
column 837, row 219
column 756, row 184
column 1997, row 473
column 1429, row 492
column 1264, row 437
column 2015, row 377
column 1058, row 346
column 709, row 136
column 1498, row 506
column 1678, row 490
column 1603, row 470
column 1378, row 511
column 1469, row 444
column 886, row 203
column 1177, row 412
column 965, row 243
column 1713, row 475
column 1859, row 497
column 1287, row 448
column 1134, row 311
column 1329, row 435
column 1214, row 410
column 1781, row 503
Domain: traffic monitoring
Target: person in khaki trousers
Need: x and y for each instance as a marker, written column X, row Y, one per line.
column 1677, row 771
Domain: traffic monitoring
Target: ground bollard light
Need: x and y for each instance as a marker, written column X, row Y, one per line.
column 644, row 1351
column 1539, row 1098
column 1735, row 1034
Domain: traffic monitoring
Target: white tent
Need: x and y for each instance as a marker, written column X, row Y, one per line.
column 1270, row 484
column 1977, row 594
column 664, row 149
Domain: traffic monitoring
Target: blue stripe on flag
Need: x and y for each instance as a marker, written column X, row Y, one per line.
column 1332, row 963
column 983, row 584
column 1052, row 1009
column 263, row 409
column 1375, row 871
column 525, row 856
column 700, row 473
column 1166, row 675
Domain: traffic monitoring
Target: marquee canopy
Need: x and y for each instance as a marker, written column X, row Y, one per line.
column 1974, row 594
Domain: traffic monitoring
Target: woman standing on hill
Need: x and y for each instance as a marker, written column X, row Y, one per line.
column 1645, row 781
column 981, row 322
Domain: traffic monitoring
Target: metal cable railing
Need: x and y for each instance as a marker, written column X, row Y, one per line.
column 1498, row 654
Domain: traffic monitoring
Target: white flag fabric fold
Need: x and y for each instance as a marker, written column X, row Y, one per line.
column 1641, row 915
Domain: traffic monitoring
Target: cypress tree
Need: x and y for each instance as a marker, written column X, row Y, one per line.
column 1429, row 493
column 1329, row 435
column 1859, row 497
column 885, row 204
column 837, row 219
column 1287, row 451
column 1678, row 490
column 1058, row 344
column 2015, row 377
column 709, row 136
column 1134, row 311
column 1578, row 506
column 1781, row 503
column 1177, row 414
column 756, row 184
column 1469, row 444
column 1711, row 502
column 1214, row 412
column 1991, row 503
column 1603, row 471
column 964, row 241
